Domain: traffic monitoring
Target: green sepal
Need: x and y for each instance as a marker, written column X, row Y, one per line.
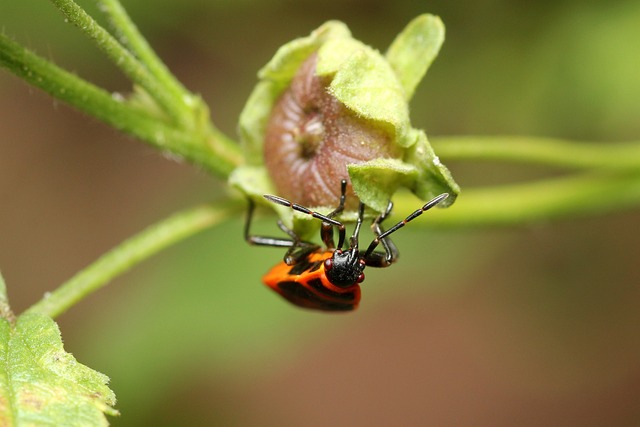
column 376, row 181
column 367, row 85
column 434, row 177
column 253, row 120
column 285, row 63
column 335, row 52
column 254, row 182
column 42, row 384
column 414, row 49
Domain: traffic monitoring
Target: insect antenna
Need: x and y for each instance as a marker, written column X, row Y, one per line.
column 296, row 207
column 353, row 241
column 431, row 203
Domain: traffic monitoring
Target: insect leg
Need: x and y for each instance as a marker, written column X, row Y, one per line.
column 390, row 255
column 353, row 240
column 300, row 248
column 262, row 240
column 326, row 232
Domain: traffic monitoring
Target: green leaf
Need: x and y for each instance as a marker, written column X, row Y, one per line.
column 41, row 384
column 414, row 49
column 375, row 181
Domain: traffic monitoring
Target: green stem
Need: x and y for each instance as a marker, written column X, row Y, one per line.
column 222, row 146
column 131, row 37
column 518, row 204
column 547, row 151
column 131, row 252
column 126, row 61
column 5, row 309
column 3, row 291
column 220, row 156
column 226, row 153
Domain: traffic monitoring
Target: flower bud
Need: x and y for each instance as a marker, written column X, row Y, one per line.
column 328, row 108
column 311, row 137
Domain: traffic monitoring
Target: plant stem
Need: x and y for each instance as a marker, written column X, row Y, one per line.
column 125, row 60
column 3, row 291
column 547, row 151
column 5, row 309
column 131, row 37
column 214, row 152
column 518, row 204
column 129, row 253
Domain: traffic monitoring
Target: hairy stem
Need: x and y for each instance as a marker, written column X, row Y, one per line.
column 125, row 60
column 137, row 44
column 131, row 252
column 519, row 204
column 535, row 150
column 212, row 150
column 5, row 309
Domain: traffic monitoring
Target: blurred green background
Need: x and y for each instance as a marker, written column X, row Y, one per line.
column 528, row 326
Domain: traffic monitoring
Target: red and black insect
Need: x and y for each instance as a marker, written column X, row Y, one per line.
column 328, row 278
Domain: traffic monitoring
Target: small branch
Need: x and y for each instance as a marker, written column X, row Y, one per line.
column 4, row 300
column 5, row 309
column 213, row 151
column 546, row 151
column 126, row 61
column 189, row 113
column 131, row 252
column 540, row 201
column 131, row 37
column 226, row 153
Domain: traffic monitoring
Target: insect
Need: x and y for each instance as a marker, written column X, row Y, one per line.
column 328, row 278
